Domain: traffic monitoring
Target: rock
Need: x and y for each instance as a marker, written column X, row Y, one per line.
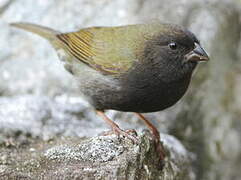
column 45, row 117
column 100, row 149
column 102, row 157
column 25, row 120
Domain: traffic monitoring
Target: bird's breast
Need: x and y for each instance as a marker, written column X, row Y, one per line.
column 150, row 97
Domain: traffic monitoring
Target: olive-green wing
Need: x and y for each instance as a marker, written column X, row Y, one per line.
column 108, row 49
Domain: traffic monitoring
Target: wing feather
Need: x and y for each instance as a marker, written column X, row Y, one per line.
column 111, row 50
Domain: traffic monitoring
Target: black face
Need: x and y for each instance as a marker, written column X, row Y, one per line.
column 176, row 43
column 174, row 52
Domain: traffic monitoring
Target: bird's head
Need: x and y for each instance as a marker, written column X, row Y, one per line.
column 175, row 51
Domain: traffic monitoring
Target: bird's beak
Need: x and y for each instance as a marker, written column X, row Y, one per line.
column 198, row 54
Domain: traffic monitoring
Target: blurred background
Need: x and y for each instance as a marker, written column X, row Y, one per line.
column 39, row 98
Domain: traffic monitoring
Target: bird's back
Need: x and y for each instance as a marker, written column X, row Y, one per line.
column 110, row 49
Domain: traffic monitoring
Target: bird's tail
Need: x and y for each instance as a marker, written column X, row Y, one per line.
column 42, row 31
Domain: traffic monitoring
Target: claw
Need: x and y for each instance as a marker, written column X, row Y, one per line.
column 129, row 134
column 116, row 130
column 156, row 136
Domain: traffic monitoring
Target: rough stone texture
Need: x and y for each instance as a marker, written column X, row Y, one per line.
column 103, row 157
column 44, row 117
column 40, row 98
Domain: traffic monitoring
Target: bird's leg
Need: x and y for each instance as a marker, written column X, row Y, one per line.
column 116, row 129
column 153, row 129
column 155, row 133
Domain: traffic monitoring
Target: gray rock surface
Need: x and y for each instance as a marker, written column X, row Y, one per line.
column 44, row 117
column 40, row 99
column 103, row 157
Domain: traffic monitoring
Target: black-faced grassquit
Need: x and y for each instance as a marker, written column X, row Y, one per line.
column 136, row 68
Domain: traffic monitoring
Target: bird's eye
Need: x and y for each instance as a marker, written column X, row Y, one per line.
column 172, row 45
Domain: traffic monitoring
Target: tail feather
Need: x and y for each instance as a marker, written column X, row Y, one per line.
column 42, row 31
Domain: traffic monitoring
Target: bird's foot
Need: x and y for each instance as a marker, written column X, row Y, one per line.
column 159, row 148
column 116, row 130
column 156, row 136
column 158, row 145
column 130, row 133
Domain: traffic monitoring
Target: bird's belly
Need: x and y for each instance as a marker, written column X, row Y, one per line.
column 104, row 97
column 151, row 104
column 150, row 99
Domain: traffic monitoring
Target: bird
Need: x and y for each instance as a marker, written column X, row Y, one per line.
column 138, row 68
